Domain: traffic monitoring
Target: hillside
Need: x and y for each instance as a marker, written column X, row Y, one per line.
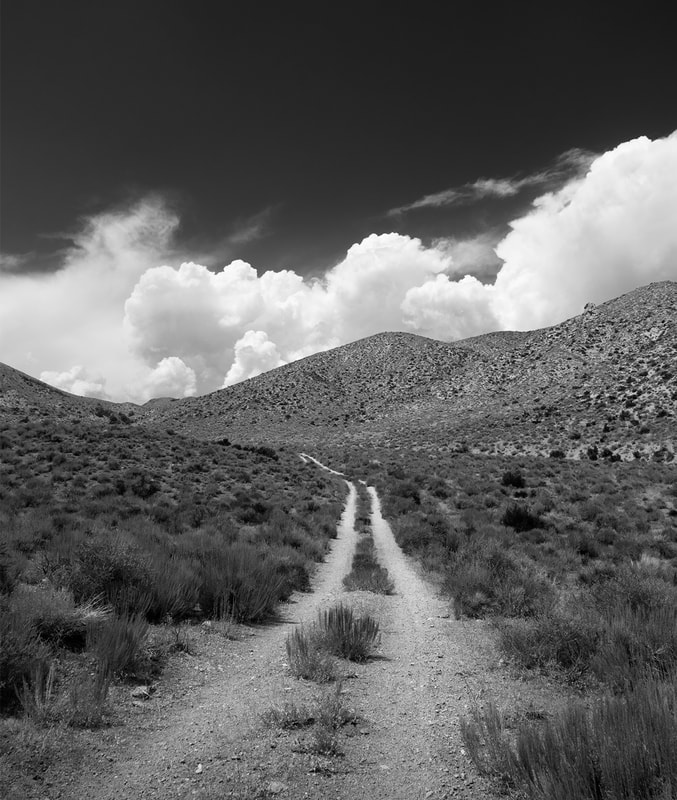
column 603, row 383
column 22, row 395
column 606, row 379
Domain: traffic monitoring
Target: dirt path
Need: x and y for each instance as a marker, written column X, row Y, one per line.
column 201, row 734
column 412, row 696
column 188, row 741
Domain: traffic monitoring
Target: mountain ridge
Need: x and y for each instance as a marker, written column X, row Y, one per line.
column 604, row 379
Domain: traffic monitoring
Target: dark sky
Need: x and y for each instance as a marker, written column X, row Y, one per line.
column 313, row 120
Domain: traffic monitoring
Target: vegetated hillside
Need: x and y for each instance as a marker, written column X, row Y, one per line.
column 21, row 395
column 603, row 384
column 107, row 526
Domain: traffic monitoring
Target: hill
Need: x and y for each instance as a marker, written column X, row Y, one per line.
column 602, row 382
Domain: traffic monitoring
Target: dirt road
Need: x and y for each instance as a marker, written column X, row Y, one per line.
column 201, row 734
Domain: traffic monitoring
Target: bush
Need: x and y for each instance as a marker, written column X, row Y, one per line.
column 119, row 647
column 307, row 658
column 513, row 477
column 241, row 581
column 54, row 615
column 22, row 655
column 550, row 640
column 8, row 569
column 347, row 636
column 521, row 518
column 487, row 579
column 624, row 748
column 107, row 567
column 337, row 632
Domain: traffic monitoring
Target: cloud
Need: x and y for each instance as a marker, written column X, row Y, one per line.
column 51, row 321
column 12, row 262
column 171, row 378
column 216, row 321
column 254, row 354
column 251, row 228
column 568, row 165
column 476, row 255
column 599, row 236
column 448, row 309
column 138, row 321
column 77, row 380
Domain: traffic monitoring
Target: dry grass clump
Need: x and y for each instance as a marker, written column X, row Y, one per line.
column 624, row 747
column 337, row 633
column 326, row 716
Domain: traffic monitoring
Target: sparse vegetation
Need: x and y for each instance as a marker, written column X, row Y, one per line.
column 625, row 747
column 325, row 717
column 337, row 633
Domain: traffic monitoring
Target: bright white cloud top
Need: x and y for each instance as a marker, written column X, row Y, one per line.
column 116, row 322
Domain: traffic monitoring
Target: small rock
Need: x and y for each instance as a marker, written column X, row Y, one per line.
column 276, row 787
column 198, row 769
column 142, row 692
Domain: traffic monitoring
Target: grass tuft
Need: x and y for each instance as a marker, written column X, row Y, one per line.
column 585, row 755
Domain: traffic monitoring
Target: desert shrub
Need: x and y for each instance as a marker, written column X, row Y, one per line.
column 289, row 716
column 637, row 641
column 513, row 477
column 174, row 590
column 307, row 658
column 331, row 716
column 242, row 579
column 586, row 546
column 550, row 640
column 521, row 518
column 119, row 647
column 485, row 578
column 345, row 635
column 585, row 755
column 22, row 654
column 54, row 615
column 9, row 570
column 112, row 569
column 337, row 632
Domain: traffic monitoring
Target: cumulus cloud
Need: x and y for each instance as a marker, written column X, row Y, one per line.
column 254, row 354
column 125, row 307
column 171, row 378
column 77, row 380
column 475, row 255
column 51, row 321
column 449, row 309
column 568, row 165
column 599, row 236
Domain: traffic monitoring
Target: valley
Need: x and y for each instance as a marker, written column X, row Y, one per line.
column 166, row 570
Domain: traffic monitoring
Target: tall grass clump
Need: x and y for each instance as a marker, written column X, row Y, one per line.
column 347, row 636
column 240, row 579
column 336, row 633
column 624, row 748
column 307, row 658
column 22, row 655
column 485, row 578
column 553, row 640
column 119, row 647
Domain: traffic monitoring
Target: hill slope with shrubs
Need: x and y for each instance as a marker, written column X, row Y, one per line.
column 603, row 384
column 107, row 527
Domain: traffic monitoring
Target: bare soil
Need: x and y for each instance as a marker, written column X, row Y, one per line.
column 200, row 734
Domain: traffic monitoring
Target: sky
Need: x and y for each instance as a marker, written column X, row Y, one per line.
column 192, row 193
